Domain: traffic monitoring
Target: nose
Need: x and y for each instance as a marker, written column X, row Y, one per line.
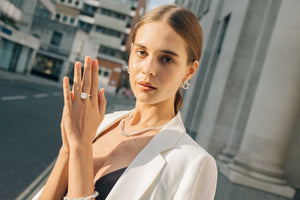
column 149, row 68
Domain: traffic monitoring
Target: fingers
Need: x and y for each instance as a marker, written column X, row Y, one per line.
column 101, row 102
column 94, row 86
column 67, row 93
column 86, row 81
column 77, row 81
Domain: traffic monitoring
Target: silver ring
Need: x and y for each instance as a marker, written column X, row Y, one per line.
column 84, row 95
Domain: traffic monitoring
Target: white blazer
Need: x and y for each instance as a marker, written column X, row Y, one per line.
column 171, row 166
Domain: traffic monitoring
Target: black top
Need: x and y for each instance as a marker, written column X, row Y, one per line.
column 104, row 184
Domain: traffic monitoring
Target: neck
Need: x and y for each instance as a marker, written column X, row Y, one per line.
column 152, row 115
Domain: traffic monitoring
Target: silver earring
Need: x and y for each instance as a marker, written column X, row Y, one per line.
column 127, row 69
column 185, row 84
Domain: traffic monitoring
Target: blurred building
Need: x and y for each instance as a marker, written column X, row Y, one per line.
column 105, row 28
column 17, row 48
column 52, row 58
column 244, row 102
column 68, row 30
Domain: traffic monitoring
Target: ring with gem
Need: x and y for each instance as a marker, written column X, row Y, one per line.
column 84, row 95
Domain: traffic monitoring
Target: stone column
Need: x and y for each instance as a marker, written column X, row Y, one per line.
column 255, row 64
column 259, row 162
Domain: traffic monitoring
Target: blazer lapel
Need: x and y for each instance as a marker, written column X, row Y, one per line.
column 147, row 166
column 139, row 175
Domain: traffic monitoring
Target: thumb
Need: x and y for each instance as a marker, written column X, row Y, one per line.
column 101, row 102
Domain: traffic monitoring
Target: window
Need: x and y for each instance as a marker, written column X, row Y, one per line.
column 65, row 18
column 47, row 66
column 56, row 38
column 85, row 26
column 57, row 16
column 113, row 14
column 108, row 31
column 106, row 74
column 89, row 9
column 69, row 1
column 72, row 20
column 41, row 12
column 76, row 3
column 107, row 51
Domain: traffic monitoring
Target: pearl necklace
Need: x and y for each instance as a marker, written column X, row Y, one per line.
column 123, row 132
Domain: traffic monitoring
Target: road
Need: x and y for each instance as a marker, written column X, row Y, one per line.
column 30, row 115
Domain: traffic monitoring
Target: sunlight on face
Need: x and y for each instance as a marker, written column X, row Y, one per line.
column 157, row 64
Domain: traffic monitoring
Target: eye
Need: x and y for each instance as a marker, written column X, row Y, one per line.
column 167, row 59
column 141, row 53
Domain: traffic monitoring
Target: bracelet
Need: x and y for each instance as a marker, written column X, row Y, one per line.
column 83, row 198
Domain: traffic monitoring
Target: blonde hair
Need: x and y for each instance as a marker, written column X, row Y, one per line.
column 184, row 23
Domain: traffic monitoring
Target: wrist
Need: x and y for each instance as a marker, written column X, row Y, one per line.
column 64, row 150
column 79, row 148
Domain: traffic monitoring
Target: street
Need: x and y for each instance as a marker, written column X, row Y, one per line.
column 30, row 134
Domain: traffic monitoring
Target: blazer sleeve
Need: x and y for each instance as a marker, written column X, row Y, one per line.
column 199, row 181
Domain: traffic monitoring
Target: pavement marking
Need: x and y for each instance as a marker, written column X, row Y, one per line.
column 37, row 184
column 56, row 94
column 42, row 95
column 9, row 98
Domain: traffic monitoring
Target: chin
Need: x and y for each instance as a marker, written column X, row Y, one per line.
column 151, row 100
column 147, row 99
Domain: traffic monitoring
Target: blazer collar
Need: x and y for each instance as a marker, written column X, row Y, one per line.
column 146, row 167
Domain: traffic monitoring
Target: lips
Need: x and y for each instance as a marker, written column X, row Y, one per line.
column 146, row 86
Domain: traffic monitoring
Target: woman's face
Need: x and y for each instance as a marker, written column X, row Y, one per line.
column 157, row 64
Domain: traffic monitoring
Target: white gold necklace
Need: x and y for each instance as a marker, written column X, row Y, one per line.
column 123, row 132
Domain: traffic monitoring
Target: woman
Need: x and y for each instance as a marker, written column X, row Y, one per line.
column 144, row 153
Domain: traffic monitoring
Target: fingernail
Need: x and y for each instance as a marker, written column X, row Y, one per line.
column 94, row 63
column 88, row 59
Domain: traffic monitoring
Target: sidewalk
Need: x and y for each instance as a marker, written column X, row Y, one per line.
column 12, row 76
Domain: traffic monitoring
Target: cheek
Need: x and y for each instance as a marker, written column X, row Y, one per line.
column 133, row 63
column 172, row 80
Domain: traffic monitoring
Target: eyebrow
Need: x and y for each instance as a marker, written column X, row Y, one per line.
column 163, row 51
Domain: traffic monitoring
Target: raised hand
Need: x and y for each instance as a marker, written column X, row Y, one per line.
column 81, row 117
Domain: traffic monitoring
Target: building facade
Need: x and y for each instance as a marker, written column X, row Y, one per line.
column 68, row 30
column 243, row 105
column 52, row 58
column 104, row 30
column 17, row 48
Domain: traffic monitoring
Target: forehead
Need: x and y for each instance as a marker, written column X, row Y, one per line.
column 158, row 36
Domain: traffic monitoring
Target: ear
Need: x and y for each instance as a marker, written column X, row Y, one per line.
column 191, row 70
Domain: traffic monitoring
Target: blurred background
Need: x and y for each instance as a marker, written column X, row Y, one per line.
column 242, row 107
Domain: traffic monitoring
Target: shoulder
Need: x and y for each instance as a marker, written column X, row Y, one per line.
column 187, row 154
column 190, row 151
column 190, row 166
column 176, row 143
